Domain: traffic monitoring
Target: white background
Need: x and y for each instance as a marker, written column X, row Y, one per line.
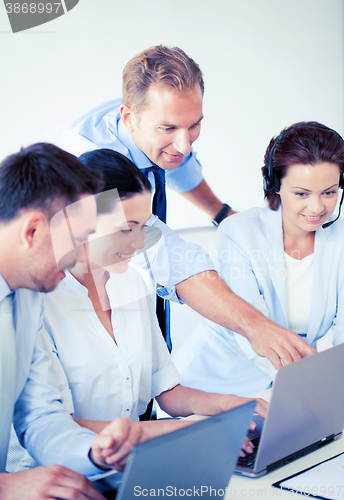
column 266, row 64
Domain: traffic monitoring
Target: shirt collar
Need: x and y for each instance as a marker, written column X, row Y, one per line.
column 104, row 126
column 137, row 156
column 4, row 288
column 99, row 125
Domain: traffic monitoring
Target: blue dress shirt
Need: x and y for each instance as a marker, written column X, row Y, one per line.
column 172, row 260
column 169, row 258
column 102, row 127
column 44, row 428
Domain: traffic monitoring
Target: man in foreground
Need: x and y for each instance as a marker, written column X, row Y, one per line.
column 46, row 210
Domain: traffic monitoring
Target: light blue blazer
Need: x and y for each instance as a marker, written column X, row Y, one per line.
column 250, row 258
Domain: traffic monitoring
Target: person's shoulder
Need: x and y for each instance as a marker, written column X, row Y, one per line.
column 336, row 231
column 29, row 305
column 250, row 217
column 338, row 226
column 86, row 131
column 98, row 112
column 249, row 228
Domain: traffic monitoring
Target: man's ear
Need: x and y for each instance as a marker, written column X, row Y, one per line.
column 32, row 228
column 128, row 117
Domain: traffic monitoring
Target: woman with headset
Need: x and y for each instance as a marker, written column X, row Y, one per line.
column 284, row 259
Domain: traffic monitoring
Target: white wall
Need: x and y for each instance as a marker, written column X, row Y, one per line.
column 266, row 63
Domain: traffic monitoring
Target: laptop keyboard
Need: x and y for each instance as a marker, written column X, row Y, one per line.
column 110, row 495
column 249, row 459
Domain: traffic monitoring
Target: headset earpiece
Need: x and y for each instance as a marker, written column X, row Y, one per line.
column 341, row 181
column 267, row 184
column 271, row 181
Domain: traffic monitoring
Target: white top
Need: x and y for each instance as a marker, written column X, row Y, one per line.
column 109, row 379
column 299, row 281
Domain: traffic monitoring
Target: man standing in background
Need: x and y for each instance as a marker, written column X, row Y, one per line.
column 155, row 124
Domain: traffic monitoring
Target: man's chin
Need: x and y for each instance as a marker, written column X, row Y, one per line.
column 44, row 288
column 48, row 286
column 170, row 165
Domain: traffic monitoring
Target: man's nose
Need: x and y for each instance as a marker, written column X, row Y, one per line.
column 182, row 142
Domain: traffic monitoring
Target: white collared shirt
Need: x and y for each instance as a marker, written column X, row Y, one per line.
column 109, row 379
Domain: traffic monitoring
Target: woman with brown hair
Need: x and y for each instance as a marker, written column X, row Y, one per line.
column 285, row 259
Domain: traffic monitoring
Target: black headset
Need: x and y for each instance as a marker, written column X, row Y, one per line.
column 272, row 181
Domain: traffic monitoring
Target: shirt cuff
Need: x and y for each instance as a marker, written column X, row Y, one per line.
column 165, row 379
column 168, row 294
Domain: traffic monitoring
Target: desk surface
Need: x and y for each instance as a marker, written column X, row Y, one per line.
column 244, row 488
column 240, row 487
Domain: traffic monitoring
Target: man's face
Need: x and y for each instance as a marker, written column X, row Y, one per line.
column 167, row 126
column 62, row 246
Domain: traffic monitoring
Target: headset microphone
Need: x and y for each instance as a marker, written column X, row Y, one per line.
column 327, row 224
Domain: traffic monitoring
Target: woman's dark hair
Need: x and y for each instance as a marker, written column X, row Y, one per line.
column 42, row 176
column 118, row 173
column 306, row 143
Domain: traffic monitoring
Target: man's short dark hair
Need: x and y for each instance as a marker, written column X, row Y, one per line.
column 43, row 176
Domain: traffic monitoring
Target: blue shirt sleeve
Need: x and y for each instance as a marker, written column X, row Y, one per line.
column 101, row 127
column 170, row 259
column 47, row 431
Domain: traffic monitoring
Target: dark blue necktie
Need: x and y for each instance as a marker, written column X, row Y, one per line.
column 159, row 209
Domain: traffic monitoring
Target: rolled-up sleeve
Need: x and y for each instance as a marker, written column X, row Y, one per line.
column 169, row 258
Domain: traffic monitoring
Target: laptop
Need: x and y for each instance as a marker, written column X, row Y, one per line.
column 306, row 411
column 197, row 460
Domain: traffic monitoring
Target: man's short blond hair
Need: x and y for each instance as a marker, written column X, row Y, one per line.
column 160, row 66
